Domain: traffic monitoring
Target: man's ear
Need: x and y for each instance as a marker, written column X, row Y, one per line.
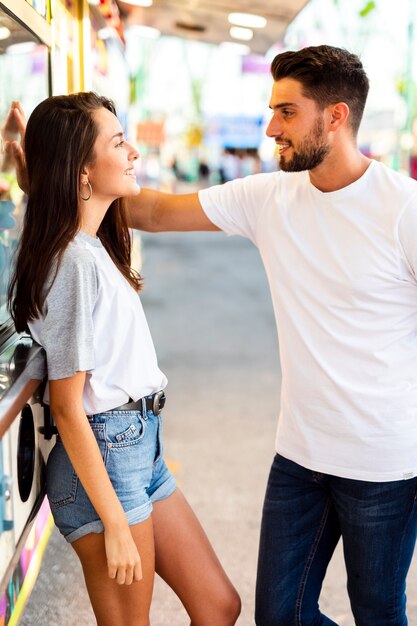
column 338, row 115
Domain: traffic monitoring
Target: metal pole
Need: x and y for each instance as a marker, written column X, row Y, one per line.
column 407, row 134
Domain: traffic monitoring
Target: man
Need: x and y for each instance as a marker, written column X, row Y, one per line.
column 336, row 233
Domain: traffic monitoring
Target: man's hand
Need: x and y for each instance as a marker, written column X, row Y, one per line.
column 14, row 126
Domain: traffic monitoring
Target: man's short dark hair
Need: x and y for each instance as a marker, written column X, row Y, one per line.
column 328, row 75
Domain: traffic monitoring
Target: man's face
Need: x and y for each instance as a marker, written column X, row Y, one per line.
column 297, row 127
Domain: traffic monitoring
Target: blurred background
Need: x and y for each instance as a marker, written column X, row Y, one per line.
column 196, row 92
column 192, row 84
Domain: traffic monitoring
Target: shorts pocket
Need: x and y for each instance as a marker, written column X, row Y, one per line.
column 125, row 429
column 61, row 479
column 159, row 443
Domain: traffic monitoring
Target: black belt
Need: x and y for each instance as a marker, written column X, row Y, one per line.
column 154, row 403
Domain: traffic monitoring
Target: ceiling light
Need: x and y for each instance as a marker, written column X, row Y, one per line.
column 147, row 32
column 4, row 33
column 236, row 48
column 247, row 19
column 237, row 32
column 138, row 3
column 21, row 48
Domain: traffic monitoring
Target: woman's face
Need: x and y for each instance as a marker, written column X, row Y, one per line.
column 112, row 173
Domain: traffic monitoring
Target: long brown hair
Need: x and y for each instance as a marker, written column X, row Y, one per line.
column 59, row 142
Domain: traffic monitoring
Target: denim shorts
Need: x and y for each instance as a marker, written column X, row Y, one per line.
column 131, row 446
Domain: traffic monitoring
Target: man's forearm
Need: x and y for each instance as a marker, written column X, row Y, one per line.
column 142, row 210
column 155, row 211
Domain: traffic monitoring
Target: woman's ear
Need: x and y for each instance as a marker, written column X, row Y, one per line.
column 84, row 176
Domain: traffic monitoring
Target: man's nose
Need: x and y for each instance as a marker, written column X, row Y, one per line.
column 273, row 128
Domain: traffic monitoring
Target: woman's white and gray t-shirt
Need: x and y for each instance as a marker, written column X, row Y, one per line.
column 93, row 321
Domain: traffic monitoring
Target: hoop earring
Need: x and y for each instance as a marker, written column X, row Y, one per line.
column 91, row 192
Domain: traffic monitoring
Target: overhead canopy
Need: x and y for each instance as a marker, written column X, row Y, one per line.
column 207, row 20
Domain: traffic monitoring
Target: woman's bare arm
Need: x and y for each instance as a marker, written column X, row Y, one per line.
column 81, row 446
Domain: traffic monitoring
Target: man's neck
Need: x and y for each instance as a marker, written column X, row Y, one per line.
column 339, row 169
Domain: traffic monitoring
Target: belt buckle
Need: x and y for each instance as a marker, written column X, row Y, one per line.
column 158, row 402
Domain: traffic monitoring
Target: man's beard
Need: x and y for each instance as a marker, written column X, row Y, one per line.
column 311, row 151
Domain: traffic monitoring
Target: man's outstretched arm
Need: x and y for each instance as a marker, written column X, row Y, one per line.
column 150, row 210
column 155, row 211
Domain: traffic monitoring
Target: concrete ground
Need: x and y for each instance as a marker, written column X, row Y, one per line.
column 211, row 317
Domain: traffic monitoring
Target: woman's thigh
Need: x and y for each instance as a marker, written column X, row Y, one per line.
column 114, row 604
column 185, row 559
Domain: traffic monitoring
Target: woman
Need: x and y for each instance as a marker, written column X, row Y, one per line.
column 110, row 491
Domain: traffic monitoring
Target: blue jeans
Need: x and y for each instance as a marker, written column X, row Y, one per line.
column 305, row 514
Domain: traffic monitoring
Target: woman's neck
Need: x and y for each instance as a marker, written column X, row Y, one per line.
column 92, row 213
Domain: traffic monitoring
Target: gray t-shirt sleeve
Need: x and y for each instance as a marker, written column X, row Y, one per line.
column 67, row 333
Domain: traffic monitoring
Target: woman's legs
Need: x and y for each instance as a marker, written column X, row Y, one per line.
column 185, row 559
column 179, row 550
column 114, row 604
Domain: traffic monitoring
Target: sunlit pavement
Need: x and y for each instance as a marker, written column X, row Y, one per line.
column 211, row 317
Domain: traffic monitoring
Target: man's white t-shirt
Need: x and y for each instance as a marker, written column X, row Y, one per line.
column 93, row 321
column 342, row 270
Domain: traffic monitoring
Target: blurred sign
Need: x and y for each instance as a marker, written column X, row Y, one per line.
column 151, row 133
column 255, row 64
column 234, row 132
column 194, row 136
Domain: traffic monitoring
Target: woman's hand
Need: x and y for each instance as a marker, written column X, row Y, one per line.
column 123, row 560
column 14, row 126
